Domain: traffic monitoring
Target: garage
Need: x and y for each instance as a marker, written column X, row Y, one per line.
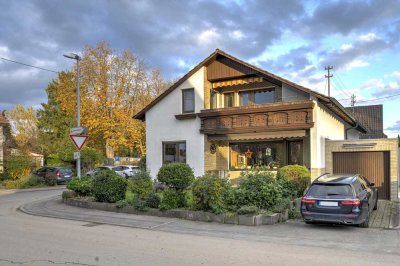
column 375, row 165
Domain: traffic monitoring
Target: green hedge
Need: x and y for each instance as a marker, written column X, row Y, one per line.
column 108, row 186
column 17, row 166
column 82, row 186
column 209, row 192
column 24, row 182
column 171, row 199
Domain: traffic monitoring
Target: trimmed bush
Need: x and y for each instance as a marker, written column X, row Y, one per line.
column 209, row 192
column 17, row 166
column 153, row 200
column 141, row 184
column 171, row 199
column 108, row 186
column 82, row 186
column 298, row 175
column 178, row 176
column 139, row 203
column 50, row 180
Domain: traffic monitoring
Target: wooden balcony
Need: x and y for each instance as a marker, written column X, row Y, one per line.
column 258, row 118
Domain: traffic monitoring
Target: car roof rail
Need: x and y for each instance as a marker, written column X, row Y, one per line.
column 324, row 174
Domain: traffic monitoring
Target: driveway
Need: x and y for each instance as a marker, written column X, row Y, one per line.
column 144, row 240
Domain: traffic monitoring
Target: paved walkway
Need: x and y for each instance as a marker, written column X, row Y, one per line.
column 386, row 216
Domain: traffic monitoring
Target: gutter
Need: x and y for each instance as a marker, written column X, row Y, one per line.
column 347, row 129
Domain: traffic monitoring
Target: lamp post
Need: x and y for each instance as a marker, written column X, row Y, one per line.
column 78, row 104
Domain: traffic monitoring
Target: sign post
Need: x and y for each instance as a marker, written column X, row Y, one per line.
column 79, row 141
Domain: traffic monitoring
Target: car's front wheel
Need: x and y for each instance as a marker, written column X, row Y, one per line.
column 376, row 201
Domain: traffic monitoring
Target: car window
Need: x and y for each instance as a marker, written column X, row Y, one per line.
column 357, row 187
column 118, row 168
column 322, row 190
column 66, row 171
column 51, row 170
column 42, row 170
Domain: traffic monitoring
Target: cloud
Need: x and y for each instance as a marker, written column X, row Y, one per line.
column 381, row 89
column 357, row 63
column 395, row 127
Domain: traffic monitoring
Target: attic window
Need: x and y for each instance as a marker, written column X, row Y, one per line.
column 188, row 100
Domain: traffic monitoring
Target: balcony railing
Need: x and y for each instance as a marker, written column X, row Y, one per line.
column 258, row 118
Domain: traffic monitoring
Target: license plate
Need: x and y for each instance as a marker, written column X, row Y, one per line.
column 328, row 203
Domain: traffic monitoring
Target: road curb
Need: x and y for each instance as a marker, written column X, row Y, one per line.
column 10, row 191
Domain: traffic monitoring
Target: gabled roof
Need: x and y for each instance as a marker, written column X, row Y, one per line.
column 332, row 104
column 371, row 117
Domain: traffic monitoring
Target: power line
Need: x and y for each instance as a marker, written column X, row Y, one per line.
column 381, row 98
column 341, row 81
column 341, row 86
column 16, row 62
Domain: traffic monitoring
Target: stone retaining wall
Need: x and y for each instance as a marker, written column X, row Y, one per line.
column 249, row 220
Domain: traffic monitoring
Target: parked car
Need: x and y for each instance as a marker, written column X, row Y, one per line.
column 116, row 169
column 343, row 199
column 60, row 173
column 130, row 170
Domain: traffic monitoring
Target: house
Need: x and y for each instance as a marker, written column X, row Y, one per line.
column 227, row 116
column 371, row 117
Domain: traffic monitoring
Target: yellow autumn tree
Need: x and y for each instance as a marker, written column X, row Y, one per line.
column 114, row 86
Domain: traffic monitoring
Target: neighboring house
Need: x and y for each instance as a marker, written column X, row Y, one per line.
column 227, row 116
column 371, row 117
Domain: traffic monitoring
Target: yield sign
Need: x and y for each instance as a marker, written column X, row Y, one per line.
column 79, row 140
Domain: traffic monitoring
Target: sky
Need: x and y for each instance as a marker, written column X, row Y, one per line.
column 292, row 39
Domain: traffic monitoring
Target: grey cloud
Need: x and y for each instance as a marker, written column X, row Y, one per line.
column 345, row 17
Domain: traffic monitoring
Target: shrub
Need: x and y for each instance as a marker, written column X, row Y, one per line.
column 281, row 205
column 141, row 184
column 24, row 182
column 121, row 203
column 298, row 175
column 153, row 200
column 50, row 180
column 139, row 203
column 17, row 166
column 250, row 209
column 171, row 199
column 108, row 186
column 178, row 176
column 209, row 192
column 258, row 189
column 82, row 186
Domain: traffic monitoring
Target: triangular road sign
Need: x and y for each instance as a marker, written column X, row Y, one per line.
column 79, row 140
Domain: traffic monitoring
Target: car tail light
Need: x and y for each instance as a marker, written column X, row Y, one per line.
column 307, row 200
column 354, row 202
column 58, row 174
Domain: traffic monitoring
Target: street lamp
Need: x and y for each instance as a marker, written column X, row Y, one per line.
column 78, row 104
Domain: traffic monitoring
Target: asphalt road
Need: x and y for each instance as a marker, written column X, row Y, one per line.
column 34, row 240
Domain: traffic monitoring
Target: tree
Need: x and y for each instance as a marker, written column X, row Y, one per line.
column 24, row 128
column 114, row 87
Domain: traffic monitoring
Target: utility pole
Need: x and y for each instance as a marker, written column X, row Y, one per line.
column 329, row 79
column 353, row 100
column 78, row 105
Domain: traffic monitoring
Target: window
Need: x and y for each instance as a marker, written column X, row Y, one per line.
column 174, row 152
column 244, row 98
column 188, row 100
column 253, row 155
column 228, row 99
column 256, row 97
column 213, row 99
column 261, row 97
column 296, row 152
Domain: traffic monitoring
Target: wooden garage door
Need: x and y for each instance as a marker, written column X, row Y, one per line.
column 373, row 165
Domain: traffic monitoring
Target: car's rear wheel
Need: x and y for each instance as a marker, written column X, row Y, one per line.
column 365, row 224
column 376, row 201
column 309, row 222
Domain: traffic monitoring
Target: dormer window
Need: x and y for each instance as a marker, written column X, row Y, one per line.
column 188, row 100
